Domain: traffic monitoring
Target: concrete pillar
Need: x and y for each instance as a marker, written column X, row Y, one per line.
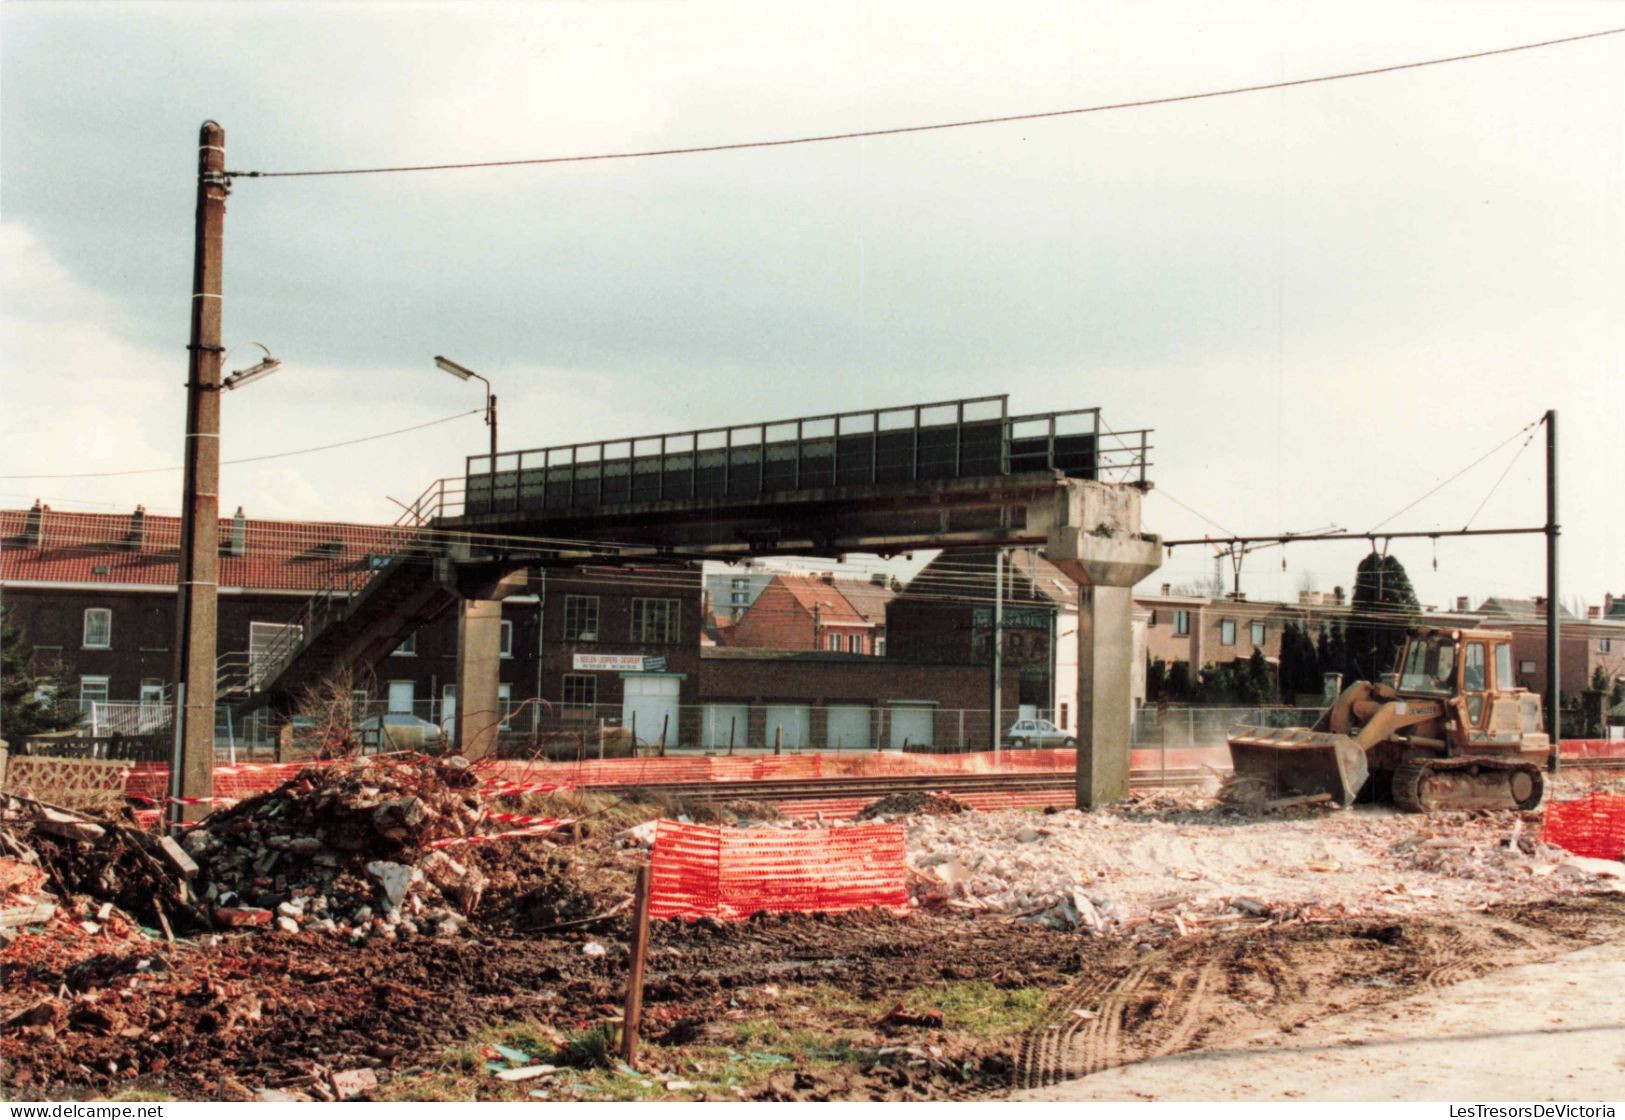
column 1105, row 692
column 1095, row 538
column 479, row 664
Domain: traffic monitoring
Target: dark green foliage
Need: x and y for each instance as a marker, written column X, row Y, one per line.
column 1384, row 607
column 22, row 712
column 1300, row 662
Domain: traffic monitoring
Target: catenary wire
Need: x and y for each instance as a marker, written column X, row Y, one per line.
column 938, row 126
column 258, row 458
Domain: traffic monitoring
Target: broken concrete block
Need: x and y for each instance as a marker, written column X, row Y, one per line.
column 287, row 925
column 236, row 917
column 176, row 855
column 392, row 878
column 526, row 1073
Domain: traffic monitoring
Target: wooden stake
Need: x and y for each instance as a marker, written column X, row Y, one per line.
column 634, row 976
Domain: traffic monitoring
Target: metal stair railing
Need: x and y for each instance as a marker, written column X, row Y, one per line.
column 333, row 601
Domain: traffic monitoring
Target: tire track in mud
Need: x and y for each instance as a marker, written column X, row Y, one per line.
column 1157, row 1008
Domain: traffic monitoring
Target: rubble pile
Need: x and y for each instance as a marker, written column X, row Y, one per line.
column 1119, row 871
column 912, row 802
column 347, row 851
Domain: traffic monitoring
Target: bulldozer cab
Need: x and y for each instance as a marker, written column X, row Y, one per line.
column 1475, row 665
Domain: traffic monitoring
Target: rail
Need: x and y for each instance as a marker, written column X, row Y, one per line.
column 970, row 437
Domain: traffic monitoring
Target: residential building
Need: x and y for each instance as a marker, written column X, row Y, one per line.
column 809, row 612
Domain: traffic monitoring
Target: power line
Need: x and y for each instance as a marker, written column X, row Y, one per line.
column 940, row 126
column 1452, row 478
column 258, row 458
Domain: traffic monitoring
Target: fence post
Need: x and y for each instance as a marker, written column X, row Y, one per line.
column 778, row 738
column 732, row 720
column 639, row 951
column 665, row 725
column 961, row 729
column 600, row 737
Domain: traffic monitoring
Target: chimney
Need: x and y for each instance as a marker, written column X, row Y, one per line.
column 1167, row 588
column 829, row 578
column 878, row 579
column 136, row 538
column 239, row 533
column 1461, row 603
column 1593, row 612
column 34, row 526
column 1337, row 596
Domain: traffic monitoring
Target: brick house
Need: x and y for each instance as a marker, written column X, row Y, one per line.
column 796, row 612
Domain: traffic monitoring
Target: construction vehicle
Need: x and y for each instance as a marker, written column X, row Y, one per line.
column 1451, row 730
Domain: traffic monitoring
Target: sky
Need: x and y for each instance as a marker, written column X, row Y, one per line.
column 1326, row 300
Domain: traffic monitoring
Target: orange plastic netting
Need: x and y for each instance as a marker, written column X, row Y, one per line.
column 707, row 871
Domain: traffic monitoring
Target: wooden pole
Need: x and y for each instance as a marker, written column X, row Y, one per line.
column 634, row 976
column 732, row 723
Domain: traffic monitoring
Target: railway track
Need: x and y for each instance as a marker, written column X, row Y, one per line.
column 871, row 787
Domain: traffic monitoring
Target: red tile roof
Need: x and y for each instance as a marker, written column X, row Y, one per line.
column 95, row 548
column 812, row 592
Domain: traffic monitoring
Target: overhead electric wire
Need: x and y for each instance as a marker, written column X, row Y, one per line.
column 936, row 127
column 1510, row 464
column 1527, row 427
column 257, row 458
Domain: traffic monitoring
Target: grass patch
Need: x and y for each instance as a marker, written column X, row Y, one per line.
column 980, row 1008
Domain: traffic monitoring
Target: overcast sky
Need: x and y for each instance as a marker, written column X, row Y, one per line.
column 1325, row 299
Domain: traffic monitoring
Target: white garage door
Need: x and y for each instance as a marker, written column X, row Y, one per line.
column 796, row 719
column 652, row 703
column 848, row 725
column 911, row 724
column 723, row 719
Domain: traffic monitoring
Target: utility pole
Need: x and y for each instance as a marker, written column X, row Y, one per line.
column 996, row 652
column 192, row 770
column 1554, row 624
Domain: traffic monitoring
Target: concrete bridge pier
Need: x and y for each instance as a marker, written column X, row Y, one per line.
column 480, row 589
column 1096, row 540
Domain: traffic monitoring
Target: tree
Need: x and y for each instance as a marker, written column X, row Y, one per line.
column 1384, row 606
column 30, row 702
column 1179, row 681
column 1300, row 663
column 1333, row 655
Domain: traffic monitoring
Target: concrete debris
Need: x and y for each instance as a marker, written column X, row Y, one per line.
column 352, row 1083
column 1109, row 872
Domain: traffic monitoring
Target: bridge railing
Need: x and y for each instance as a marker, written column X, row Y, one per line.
column 974, row 436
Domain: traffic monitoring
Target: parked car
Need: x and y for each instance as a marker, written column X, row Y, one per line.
column 1037, row 733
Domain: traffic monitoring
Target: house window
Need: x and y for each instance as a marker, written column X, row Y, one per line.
column 880, row 647
column 833, row 642
column 507, row 638
column 854, row 643
column 408, row 648
column 740, row 584
column 581, row 618
column 505, row 704
column 1605, row 645
column 739, row 598
column 1152, row 621
column 1258, row 634
column 92, row 690
column 1227, row 631
column 654, row 621
column 580, row 690
column 150, row 714
column 1182, row 623
column 98, row 628
column 1527, row 668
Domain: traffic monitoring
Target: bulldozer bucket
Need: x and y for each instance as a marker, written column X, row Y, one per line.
column 1296, row 761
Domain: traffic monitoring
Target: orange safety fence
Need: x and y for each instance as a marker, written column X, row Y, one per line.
column 699, row 871
column 1593, row 825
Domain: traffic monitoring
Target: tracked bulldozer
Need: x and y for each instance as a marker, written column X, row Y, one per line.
column 1452, row 731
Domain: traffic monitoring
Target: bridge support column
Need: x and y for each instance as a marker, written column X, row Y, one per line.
column 479, row 665
column 480, row 587
column 1098, row 542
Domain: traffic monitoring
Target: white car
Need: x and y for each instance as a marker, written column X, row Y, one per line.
column 1037, row 733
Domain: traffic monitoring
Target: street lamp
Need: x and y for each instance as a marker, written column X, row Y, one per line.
column 239, row 377
column 463, row 373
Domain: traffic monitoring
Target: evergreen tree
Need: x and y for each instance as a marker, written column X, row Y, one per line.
column 25, row 707
column 1300, row 663
column 1383, row 607
column 1179, row 681
column 1258, row 684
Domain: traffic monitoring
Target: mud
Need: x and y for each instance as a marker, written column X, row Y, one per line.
column 281, row 1011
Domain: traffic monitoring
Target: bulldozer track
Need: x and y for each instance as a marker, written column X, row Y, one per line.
column 1410, row 778
column 1157, row 1009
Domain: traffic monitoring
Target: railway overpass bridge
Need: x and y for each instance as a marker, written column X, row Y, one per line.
column 943, row 475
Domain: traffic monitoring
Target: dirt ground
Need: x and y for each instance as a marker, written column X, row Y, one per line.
column 1552, row 1031
column 773, row 1008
